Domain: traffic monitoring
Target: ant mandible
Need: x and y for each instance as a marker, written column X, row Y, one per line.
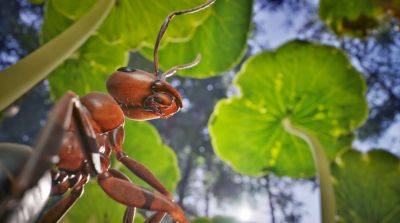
column 80, row 135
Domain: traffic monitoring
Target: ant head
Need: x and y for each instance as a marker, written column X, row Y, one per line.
column 142, row 96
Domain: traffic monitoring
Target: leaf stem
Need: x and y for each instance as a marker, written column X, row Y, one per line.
column 26, row 73
column 323, row 171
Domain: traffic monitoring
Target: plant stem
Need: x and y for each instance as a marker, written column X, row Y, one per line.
column 323, row 171
column 26, row 73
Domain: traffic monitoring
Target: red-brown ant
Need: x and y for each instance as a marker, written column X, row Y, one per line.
column 78, row 139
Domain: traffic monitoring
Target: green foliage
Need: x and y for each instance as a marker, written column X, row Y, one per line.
column 215, row 220
column 126, row 29
column 367, row 186
column 134, row 23
column 314, row 86
column 53, row 23
column 89, row 68
column 96, row 206
column 356, row 17
column 221, row 41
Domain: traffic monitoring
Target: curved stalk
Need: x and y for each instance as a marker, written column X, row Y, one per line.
column 26, row 73
column 323, row 171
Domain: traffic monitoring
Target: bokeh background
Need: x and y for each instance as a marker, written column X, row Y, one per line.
column 209, row 187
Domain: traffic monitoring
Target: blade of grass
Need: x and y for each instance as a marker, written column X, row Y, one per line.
column 328, row 204
column 26, row 73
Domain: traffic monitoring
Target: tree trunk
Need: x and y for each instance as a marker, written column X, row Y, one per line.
column 270, row 202
column 182, row 186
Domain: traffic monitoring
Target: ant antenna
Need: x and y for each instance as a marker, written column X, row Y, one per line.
column 164, row 28
column 175, row 69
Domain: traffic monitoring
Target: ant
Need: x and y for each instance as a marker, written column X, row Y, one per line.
column 78, row 139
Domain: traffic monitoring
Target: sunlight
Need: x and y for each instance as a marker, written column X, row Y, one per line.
column 245, row 214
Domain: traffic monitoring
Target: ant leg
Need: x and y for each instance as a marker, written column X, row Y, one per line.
column 61, row 183
column 132, row 195
column 130, row 212
column 87, row 137
column 116, row 139
column 61, row 207
column 129, row 215
column 156, row 218
column 49, row 142
column 143, row 173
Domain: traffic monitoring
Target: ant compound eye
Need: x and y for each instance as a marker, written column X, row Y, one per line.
column 158, row 100
column 163, row 99
column 126, row 69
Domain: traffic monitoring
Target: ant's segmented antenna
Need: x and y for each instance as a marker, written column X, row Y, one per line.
column 175, row 69
column 165, row 26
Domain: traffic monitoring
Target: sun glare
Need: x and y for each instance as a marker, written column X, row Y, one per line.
column 245, row 214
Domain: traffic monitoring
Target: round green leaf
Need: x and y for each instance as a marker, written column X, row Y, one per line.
column 143, row 143
column 315, row 87
column 96, row 206
column 367, row 186
column 135, row 23
column 356, row 17
column 221, row 41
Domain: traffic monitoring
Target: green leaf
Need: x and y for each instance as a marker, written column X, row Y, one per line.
column 356, row 17
column 143, row 143
column 221, row 41
column 134, row 23
column 367, row 186
column 88, row 70
column 53, row 23
column 95, row 206
column 315, row 87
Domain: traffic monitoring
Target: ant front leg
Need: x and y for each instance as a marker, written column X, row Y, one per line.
column 129, row 215
column 156, row 218
column 133, row 195
column 88, row 137
column 48, row 144
column 116, row 140
column 130, row 212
